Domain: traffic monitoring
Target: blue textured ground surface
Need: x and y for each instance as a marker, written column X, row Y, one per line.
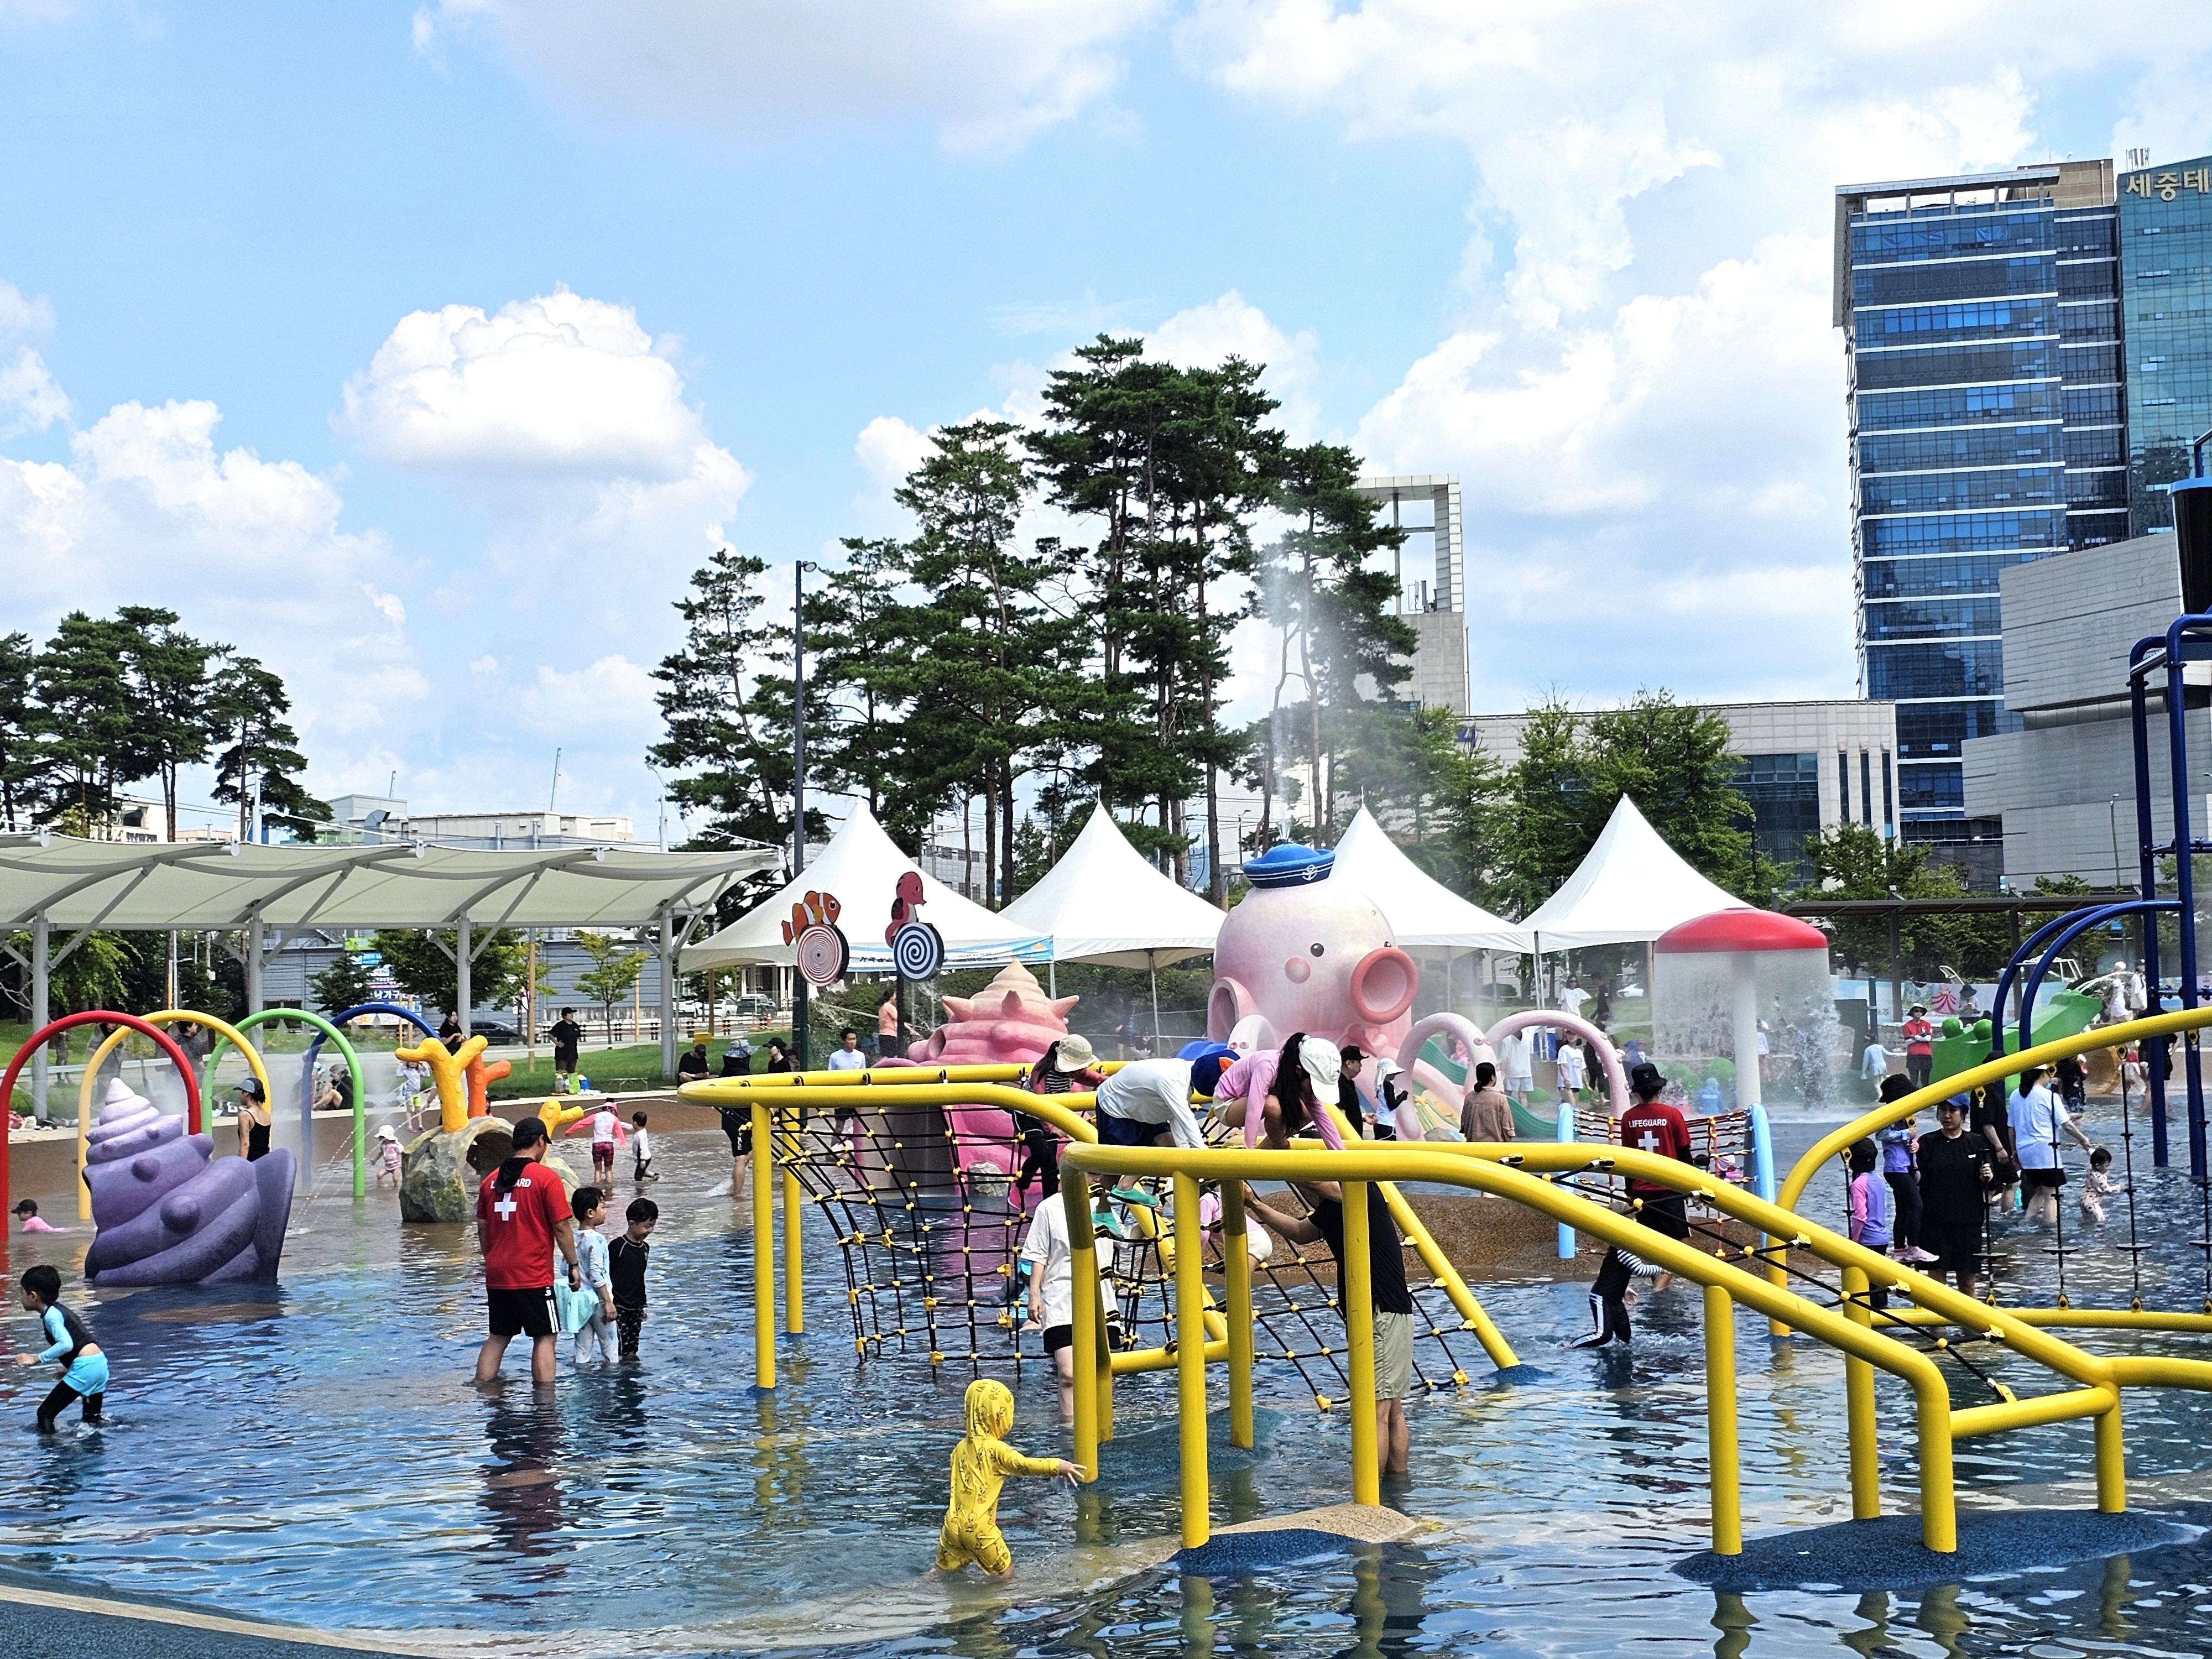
column 1232, row 1555
column 1887, row 1554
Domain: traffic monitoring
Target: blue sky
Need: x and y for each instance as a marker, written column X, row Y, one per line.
column 424, row 350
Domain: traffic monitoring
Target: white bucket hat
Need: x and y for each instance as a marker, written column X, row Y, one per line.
column 1076, row 1054
column 1323, row 1064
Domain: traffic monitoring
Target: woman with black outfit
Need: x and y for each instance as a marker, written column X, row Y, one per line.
column 1957, row 1170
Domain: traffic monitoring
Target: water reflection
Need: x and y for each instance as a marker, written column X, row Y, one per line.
column 521, row 1490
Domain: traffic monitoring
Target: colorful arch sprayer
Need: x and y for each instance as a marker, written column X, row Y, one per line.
column 223, row 1030
column 323, row 1028
column 70, row 1022
column 1529, row 1173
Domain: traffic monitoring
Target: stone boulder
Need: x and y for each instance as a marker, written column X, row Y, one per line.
column 441, row 1173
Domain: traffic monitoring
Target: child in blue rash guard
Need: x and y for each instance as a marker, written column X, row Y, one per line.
column 84, row 1367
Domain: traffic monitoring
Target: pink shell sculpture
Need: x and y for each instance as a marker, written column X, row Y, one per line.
column 1010, row 1022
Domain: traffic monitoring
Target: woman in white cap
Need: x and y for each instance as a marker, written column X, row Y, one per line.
column 253, row 1119
column 1069, row 1066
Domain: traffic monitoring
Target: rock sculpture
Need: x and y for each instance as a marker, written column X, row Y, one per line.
column 440, row 1172
column 166, row 1211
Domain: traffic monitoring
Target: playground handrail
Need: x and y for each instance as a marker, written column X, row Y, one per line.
column 1485, row 1169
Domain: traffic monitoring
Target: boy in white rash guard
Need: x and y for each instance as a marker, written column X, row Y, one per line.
column 1147, row 1096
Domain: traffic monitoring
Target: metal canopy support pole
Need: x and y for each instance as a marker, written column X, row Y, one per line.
column 464, row 992
column 668, row 990
column 41, row 982
column 798, row 790
column 254, row 963
column 2155, row 1051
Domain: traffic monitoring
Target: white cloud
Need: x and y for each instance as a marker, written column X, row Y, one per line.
column 608, row 704
column 982, row 73
column 249, row 551
column 1642, row 389
column 888, row 449
column 30, row 401
column 561, row 422
column 1207, row 335
column 547, row 385
column 19, row 314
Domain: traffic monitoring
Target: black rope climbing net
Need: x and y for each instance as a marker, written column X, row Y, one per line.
column 930, row 1219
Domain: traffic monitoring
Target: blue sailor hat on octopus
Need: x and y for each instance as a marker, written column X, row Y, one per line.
column 1289, row 866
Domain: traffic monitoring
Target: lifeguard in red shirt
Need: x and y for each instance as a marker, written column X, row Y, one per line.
column 1650, row 1125
column 1919, row 1046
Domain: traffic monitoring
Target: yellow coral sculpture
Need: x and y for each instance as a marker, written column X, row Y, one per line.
column 449, row 1071
column 556, row 1117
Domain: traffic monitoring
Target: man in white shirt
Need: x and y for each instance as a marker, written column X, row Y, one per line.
column 1147, row 1096
column 2038, row 1121
column 1514, row 1060
column 846, row 1056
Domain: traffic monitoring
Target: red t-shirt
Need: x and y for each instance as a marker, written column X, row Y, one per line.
column 1919, row 1037
column 520, row 1224
column 1653, row 1126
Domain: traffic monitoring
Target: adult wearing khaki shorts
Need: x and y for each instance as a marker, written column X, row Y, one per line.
column 1393, row 1301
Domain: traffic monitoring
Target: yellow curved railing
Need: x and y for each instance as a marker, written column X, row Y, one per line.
column 2045, row 1054
column 1526, row 1172
column 771, row 1097
column 223, row 1029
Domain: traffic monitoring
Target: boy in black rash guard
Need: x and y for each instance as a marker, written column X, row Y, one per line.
column 627, row 1257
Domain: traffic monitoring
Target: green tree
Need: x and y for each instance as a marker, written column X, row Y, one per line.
column 615, row 969
column 1850, row 861
column 726, row 707
column 1671, row 758
column 25, row 762
column 987, row 651
column 422, row 962
column 85, row 705
column 346, row 983
column 166, row 688
column 260, row 763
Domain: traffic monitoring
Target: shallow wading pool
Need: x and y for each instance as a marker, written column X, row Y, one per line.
column 317, row 1455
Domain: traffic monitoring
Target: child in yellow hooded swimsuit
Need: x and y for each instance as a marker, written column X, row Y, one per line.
column 980, row 1464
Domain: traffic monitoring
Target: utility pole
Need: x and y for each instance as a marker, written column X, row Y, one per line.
column 799, row 570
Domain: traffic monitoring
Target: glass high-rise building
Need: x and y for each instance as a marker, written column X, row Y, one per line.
column 2166, row 301
column 1988, row 420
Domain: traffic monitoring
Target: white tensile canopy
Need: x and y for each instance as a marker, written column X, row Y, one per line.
column 1630, row 888
column 1103, row 903
column 861, row 867
column 58, row 889
column 1423, row 913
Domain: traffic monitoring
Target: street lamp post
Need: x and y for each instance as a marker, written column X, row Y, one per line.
column 799, row 570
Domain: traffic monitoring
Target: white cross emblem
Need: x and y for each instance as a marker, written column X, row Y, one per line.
column 1649, row 1140
column 505, row 1208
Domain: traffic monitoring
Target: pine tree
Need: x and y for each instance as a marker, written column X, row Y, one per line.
column 168, row 691
column 85, row 706
column 260, row 764
column 25, row 762
column 726, row 711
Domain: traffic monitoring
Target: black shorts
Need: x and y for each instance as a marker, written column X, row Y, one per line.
column 2054, row 1177
column 1663, row 1213
column 521, row 1313
column 1956, row 1246
column 1057, row 1337
column 739, row 1126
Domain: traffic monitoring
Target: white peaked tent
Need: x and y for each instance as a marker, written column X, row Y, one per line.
column 1630, row 887
column 1423, row 913
column 861, row 867
column 1103, row 903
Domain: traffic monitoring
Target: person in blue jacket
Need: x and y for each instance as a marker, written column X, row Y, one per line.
column 83, row 1366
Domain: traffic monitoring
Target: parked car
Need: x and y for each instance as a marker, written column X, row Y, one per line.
column 495, row 1034
column 756, row 1005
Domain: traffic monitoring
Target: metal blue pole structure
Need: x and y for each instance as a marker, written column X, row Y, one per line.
column 2075, row 924
column 2185, row 882
column 2155, row 1052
